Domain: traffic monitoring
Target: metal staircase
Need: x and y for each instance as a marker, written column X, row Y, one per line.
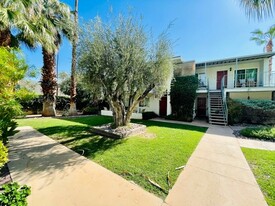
column 217, row 113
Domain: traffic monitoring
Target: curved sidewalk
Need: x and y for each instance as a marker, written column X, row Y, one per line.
column 60, row 177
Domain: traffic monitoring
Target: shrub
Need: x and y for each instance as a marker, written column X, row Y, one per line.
column 3, row 154
column 12, row 69
column 251, row 111
column 35, row 104
column 14, row 194
column 149, row 115
column 266, row 133
column 91, row 110
column 183, row 95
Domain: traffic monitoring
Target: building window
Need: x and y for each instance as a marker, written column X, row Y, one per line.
column 246, row 78
column 202, row 80
column 144, row 103
column 273, row 96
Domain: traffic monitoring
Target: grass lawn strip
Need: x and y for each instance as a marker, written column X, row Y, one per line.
column 138, row 158
column 262, row 163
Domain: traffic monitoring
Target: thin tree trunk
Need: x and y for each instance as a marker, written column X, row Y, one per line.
column 5, row 38
column 73, row 69
column 48, row 84
column 269, row 48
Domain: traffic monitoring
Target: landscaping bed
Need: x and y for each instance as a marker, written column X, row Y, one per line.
column 263, row 166
column 260, row 133
column 135, row 158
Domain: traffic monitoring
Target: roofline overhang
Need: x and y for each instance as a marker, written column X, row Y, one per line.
column 235, row 59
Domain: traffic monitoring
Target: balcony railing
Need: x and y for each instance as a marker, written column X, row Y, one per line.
column 265, row 80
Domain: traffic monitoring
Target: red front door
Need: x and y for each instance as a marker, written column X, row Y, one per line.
column 163, row 106
column 220, row 75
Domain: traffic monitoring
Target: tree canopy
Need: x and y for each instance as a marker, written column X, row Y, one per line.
column 124, row 64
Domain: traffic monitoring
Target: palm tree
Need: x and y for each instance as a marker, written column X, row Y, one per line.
column 259, row 9
column 73, row 69
column 266, row 39
column 59, row 17
column 14, row 14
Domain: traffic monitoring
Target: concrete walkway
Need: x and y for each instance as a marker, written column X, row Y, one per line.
column 59, row 176
column 216, row 174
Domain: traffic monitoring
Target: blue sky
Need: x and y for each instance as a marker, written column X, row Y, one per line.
column 202, row 30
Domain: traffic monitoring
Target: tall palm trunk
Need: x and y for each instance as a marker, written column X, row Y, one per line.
column 5, row 38
column 269, row 48
column 48, row 83
column 73, row 69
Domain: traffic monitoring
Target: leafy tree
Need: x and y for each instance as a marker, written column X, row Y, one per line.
column 258, row 8
column 12, row 69
column 84, row 96
column 118, row 58
column 266, row 39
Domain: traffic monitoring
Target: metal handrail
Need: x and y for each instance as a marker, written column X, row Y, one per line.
column 224, row 97
column 208, row 96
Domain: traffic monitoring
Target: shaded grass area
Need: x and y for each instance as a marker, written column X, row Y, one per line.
column 135, row 158
column 263, row 133
column 262, row 163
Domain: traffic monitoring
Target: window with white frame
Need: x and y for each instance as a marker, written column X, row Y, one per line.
column 246, row 77
column 202, row 79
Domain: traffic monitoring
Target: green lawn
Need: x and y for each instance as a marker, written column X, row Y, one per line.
column 134, row 158
column 262, row 163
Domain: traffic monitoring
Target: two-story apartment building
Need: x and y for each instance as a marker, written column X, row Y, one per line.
column 244, row 77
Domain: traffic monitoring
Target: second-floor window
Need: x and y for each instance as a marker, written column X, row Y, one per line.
column 246, row 78
column 202, row 79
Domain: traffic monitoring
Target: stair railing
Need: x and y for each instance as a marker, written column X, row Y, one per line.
column 224, row 98
column 208, row 99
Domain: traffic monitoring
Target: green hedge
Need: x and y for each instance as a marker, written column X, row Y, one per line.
column 35, row 105
column 265, row 133
column 149, row 115
column 251, row 111
column 183, row 95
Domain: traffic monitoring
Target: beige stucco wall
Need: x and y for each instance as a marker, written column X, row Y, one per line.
column 153, row 104
column 252, row 95
column 211, row 72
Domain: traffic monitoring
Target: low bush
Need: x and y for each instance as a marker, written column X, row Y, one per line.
column 251, row 111
column 14, row 194
column 149, row 115
column 91, row 110
column 35, row 104
column 3, row 154
column 265, row 133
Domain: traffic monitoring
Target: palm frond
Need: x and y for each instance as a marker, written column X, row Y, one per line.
column 258, row 9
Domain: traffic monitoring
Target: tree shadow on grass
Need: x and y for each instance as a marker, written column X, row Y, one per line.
column 66, row 132
column 96, row 145
column 90, row 120
column 99, row 120
column 80, row 139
